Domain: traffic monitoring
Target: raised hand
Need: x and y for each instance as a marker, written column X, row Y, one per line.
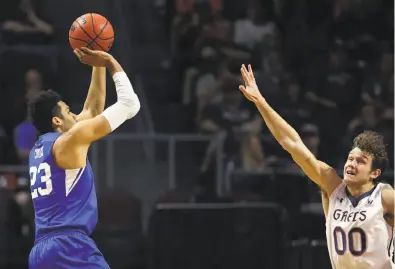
column 93, row 57
column 250, row 90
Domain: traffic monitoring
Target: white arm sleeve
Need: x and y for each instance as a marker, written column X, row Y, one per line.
column 127, row 105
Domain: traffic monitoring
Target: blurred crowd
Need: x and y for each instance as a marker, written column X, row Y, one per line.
column 326, row 67
column 21, row 29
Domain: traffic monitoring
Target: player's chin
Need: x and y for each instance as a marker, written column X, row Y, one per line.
column 350, row 179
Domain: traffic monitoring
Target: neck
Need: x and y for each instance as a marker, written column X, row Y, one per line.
column 358, row 190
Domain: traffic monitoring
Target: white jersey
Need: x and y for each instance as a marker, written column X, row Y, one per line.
column 358, row 237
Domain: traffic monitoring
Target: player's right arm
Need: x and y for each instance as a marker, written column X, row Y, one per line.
column 321, row 173
column 126, row 107
column 325, row 202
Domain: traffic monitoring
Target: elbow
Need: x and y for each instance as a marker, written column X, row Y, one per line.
column 133, row 105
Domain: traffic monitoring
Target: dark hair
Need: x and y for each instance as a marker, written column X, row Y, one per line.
column 373, row 144
column 43, row 108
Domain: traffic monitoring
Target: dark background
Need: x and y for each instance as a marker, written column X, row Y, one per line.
column 196, row 180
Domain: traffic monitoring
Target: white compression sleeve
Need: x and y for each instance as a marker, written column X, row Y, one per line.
column 127, row 105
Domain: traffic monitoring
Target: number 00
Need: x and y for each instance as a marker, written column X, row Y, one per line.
column 342, row 241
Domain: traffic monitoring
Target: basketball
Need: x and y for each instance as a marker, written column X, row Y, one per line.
column 92, row 31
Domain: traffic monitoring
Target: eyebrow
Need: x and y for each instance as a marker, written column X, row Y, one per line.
column 361, row 156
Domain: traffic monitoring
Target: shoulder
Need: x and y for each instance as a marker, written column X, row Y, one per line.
column 331, row 181
column 66, row 140
column 67, row 153
column 338, row 191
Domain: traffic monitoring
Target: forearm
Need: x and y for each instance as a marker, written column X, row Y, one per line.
column 126, row 107
column 128, row 104
column 281, row 130
column 97, row 92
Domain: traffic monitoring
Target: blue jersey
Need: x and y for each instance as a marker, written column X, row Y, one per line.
column 64, row 199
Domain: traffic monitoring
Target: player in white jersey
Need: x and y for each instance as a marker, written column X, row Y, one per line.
column 357, row 232
column 360, row 211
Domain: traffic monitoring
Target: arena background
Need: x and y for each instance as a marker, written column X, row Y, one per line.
column 180, row 186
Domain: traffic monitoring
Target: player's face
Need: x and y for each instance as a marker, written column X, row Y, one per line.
column 358, row 168
column 68, row 118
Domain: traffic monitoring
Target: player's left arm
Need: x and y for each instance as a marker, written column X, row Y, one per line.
column 95, row 100
column 387, row 198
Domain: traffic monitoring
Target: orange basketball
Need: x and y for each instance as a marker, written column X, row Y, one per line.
column 92, row 31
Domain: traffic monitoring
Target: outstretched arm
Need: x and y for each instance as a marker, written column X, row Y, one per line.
column 321, row 173
column 85, row 132
column 94, row 103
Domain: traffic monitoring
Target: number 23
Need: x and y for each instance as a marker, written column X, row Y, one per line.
column 45, row 178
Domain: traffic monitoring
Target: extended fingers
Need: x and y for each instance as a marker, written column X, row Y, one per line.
column 248, row 75
column 79, row 53
column 244, row 73
column 249, row 68
column 250, row 72
column 87, row 51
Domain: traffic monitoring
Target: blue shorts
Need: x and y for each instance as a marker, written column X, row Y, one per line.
column 66, row 250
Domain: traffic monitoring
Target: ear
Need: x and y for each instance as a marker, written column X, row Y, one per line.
column 56, row 121
column 375, row 174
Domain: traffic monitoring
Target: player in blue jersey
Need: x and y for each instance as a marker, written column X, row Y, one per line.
column 62, row 181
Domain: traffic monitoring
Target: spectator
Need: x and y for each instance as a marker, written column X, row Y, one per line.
column 25, row 133
column 293, row 105
column 269, row 44
column 208, row 87
column 334, row 97
column 311, row 138
column 335, row 89
column 25, row 137
column 184, row 27
column 232, row 117
column 366, row 120
column 377, row 87
column 33, row 84
column 250, row 30
column 216, row 39
column 273, row 73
